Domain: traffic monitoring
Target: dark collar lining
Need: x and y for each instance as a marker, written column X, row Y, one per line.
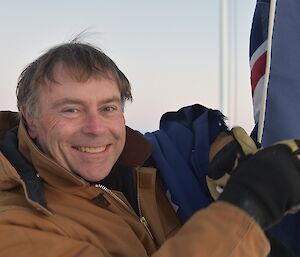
column 137, row 149
column 34, row 186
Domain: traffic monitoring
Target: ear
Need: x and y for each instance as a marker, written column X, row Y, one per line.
column 30, row 122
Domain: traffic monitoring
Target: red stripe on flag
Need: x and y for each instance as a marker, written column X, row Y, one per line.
column 258, row 70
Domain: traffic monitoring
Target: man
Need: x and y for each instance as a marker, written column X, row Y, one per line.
column 73, row 178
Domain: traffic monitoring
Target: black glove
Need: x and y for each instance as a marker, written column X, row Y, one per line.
column 267, row 184
column 227, row 159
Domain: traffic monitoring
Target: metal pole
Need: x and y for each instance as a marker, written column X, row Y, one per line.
column 224, row 56
column 234, row 64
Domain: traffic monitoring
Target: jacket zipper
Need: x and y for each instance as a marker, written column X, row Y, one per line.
column 141, row 217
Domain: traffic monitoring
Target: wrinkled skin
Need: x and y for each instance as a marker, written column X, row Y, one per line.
column 79, row 124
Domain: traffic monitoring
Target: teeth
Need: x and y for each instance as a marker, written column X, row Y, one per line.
column 91, row 149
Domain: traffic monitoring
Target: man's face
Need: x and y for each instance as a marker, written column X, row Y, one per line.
column 80, row 124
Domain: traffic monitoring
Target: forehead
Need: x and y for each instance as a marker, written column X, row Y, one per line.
column 65, row 76
column 65, row 84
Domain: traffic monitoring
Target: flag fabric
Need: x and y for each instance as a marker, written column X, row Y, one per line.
column 258, row 54
column 276, row 111
column 275, row 81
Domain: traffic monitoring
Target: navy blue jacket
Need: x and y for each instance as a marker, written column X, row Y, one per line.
column 181, row 155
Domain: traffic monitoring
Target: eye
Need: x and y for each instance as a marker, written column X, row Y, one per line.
column 71, row 110
column 109, row 108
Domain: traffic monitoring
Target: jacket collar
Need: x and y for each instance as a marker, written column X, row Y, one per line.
column 8, row 120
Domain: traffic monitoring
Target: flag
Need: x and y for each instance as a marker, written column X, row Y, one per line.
column 275, row 70
column 258, row 54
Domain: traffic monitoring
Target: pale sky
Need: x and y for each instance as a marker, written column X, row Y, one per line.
column 168, row 49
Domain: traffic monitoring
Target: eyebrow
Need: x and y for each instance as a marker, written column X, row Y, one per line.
column 67, row 100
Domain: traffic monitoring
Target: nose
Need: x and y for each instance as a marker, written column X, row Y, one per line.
column 94, row 124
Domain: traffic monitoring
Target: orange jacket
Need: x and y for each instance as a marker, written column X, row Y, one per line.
column 79, row 218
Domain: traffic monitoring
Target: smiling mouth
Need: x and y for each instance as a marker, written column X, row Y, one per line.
column 86, row 149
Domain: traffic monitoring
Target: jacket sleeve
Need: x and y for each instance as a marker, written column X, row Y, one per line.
column 219, row 230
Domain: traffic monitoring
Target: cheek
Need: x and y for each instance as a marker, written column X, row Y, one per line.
column 120, row 128
column 51, row 130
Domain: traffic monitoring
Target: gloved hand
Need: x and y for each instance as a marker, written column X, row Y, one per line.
column 224, row 162
column 267, row 184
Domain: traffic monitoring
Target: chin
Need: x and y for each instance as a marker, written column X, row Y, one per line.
column 97, row 176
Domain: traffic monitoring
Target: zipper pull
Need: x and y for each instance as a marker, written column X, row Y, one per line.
column 101, row 201
column 145, row 223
